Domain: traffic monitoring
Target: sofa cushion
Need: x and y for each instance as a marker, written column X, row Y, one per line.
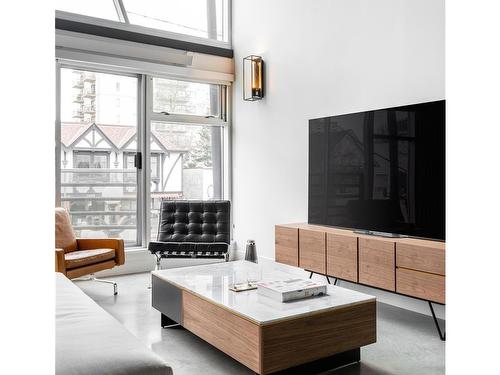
column 89, row 341
column 65, row 236
column 82, row 258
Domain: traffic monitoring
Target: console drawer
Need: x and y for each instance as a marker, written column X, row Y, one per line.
column 418, row 284
column 377, row 263
column 342, row 256
column 286, row 242
column 312, row 250
column 421, row 257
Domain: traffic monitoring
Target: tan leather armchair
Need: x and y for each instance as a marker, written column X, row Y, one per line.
column 76, row 257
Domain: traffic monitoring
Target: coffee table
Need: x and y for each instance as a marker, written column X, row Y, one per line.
column 265, row 335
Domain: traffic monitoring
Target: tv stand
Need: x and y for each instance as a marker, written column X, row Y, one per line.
column 379, row 234
column 407, row 266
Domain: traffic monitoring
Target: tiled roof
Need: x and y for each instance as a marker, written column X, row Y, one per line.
column 118, row 134
column 71, row 131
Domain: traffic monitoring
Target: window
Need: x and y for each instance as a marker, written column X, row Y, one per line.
column 196, row 18
column 191, row 170
column 182, row 97
column 94, row 8
column 187, row 122
column 97, row 185
column 106, row 194
column 128, row 160
column 90, row 159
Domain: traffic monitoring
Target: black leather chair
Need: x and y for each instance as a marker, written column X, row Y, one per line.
column 192, row 229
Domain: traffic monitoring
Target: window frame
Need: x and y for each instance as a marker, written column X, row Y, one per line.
column 145, row 116
column 125, row 26
column 92, row 155
column 220, row 120
column 140, row 227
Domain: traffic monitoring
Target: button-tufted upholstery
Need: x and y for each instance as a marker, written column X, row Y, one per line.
column 192, row 228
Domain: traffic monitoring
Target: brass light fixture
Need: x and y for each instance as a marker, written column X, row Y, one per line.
column 253, row 78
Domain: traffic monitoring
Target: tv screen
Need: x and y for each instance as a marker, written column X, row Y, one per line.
column 380, row 170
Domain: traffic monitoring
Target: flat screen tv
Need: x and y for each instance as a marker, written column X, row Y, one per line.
column 380, row 171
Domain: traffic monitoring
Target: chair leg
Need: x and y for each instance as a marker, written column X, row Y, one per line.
column 115, row 285
column 157, row 268
column 158, row 262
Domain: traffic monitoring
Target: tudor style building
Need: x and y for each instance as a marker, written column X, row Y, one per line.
column 99, row 177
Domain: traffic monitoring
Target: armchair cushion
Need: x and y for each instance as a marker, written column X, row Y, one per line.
column 82, row 258
column 104, row 243
column 65, row 237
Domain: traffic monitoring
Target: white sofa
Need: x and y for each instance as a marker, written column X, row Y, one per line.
column 90, row 341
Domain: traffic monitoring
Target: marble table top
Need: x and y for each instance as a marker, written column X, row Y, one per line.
column 212, row 282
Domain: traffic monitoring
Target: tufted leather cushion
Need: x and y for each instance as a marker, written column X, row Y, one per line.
column 194, row 221
column 65, row 236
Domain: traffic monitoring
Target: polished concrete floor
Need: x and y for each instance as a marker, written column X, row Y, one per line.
column 407, row 342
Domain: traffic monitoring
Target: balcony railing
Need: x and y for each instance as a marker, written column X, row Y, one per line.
column 93, row 177
column 89, row 109
column 77, row 83
column 89, row 91
column 77, row 99
column 88, row 76
column 99, row 201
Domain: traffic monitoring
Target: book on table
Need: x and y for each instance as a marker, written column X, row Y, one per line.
column 291, row 289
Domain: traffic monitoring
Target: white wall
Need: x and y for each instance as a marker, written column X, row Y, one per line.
column 323, row 57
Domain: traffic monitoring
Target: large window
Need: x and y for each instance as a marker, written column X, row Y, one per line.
column 96, row 8
column 98, row 126
column 208, row 19
column 187, row 119
column 107, row 187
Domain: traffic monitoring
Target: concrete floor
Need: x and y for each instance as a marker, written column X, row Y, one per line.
column 407, row 342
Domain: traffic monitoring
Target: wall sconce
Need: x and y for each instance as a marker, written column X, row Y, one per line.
column 253, row 78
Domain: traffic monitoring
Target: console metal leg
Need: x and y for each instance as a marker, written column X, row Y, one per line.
column 328, row 279
column 311, row 275
column 442, row 335
column 335, row 283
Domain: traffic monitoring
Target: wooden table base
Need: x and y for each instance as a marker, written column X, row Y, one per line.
column 324, row 339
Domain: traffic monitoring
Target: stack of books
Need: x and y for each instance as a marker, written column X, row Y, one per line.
column 289, row 290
